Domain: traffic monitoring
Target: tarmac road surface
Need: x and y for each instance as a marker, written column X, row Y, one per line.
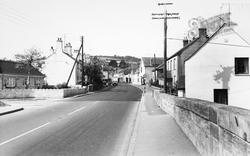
column 91, row 125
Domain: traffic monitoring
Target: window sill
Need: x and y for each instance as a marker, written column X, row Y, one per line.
column 242, row 74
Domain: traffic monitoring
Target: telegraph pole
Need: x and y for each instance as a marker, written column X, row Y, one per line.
column 166, row 16
column 82, row 62
column 155, row 66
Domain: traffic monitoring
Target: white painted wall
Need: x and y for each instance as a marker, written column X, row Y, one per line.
column 57, row 69
column 218, row 60
column 173, row 68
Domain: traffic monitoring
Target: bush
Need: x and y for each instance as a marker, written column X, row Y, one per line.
column 61, row 85
column 46, row 86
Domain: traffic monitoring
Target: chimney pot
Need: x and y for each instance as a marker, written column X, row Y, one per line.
column 202, row 32
column 185, row 42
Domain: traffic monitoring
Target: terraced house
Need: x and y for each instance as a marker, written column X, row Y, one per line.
column 14, row 75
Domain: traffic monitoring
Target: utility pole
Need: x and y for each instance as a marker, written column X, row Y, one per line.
column 155, row 67
column 82, row 62
column 165, row 16
column 79, row 52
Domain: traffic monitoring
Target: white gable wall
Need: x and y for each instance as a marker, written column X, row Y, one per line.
column 57, row 69
column 213, row 68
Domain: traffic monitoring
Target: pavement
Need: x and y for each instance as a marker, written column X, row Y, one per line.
column 157, row 133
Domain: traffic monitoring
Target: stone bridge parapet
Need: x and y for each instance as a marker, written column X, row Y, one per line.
column 214, row 129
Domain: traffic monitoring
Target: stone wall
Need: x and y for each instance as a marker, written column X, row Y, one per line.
column 40, row 93
column 214, row 129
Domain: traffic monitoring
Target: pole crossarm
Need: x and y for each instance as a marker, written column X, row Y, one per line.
column 166, row 14
column 165, row 3
column 165, row 18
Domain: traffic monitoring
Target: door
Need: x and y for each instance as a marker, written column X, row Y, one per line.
column 221, row 96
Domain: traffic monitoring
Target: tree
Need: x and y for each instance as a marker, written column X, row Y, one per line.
column 113, row 63
column 31, row 59
column 123, row 64
column 94, row 74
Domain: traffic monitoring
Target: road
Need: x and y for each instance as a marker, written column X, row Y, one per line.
column 96, row 124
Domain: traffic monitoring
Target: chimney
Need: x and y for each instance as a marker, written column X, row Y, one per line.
column 185, row 42
column 202, row 32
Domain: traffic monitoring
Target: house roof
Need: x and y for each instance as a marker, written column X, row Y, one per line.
column 179, row 52
column 150, row 61
column 209, row 39
column 188, row 45
column 11, row 67
column 182, row 49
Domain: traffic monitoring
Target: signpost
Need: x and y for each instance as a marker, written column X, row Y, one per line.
column 165, row 16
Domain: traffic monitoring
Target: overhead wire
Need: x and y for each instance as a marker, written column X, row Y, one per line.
column 12, row 14
column 225, row 44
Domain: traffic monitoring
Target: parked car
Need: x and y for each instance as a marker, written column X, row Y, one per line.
column 115, row 83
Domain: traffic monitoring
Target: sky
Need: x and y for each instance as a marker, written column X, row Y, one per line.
column 110, row 27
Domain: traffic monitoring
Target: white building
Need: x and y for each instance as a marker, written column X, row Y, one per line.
column 147, row 64
column 219, row 71
column 175, row 63
column 58, row 67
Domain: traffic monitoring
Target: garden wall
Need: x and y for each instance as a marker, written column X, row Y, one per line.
column 40, row 93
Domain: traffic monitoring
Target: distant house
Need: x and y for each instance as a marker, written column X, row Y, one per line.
column 158, row 72
column 147, row 64
column 135, row 78
column 14, row 75
column 175, row 63
column 219, row 70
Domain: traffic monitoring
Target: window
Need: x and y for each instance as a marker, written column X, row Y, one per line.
column 221, row 96
column 10, row 82
column 37, row 82
column 170, row 64
column 241, row 65
column 174, row 64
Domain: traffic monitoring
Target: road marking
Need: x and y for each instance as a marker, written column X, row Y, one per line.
column 76, row 110
column 21, row 135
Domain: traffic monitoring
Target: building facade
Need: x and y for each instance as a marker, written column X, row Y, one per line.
column 175, row 64
column 146, row 67
column 58, row 67
column 13, row 75
column 220, row 72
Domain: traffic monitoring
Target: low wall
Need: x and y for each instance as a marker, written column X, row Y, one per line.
column 214, row 129
column 40, row 93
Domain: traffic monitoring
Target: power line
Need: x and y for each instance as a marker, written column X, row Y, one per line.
column 13, row 14
column 225, row 44
column 241, row 37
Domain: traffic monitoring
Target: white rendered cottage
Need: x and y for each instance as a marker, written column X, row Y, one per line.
column 58, row 67
column 219, row 71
